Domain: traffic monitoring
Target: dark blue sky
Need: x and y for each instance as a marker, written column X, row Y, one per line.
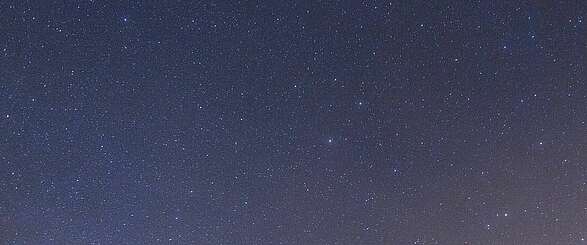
column 293, row 122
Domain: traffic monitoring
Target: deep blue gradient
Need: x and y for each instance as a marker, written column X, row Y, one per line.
column 293, row 122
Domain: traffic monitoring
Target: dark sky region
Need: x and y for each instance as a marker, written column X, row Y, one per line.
column 293, row 122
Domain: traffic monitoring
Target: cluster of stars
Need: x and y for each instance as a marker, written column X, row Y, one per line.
column 235, row 122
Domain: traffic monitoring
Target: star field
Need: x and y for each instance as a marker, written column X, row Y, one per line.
column 293, row 122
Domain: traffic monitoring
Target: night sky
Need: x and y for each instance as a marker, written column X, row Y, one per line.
column 293, row 122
